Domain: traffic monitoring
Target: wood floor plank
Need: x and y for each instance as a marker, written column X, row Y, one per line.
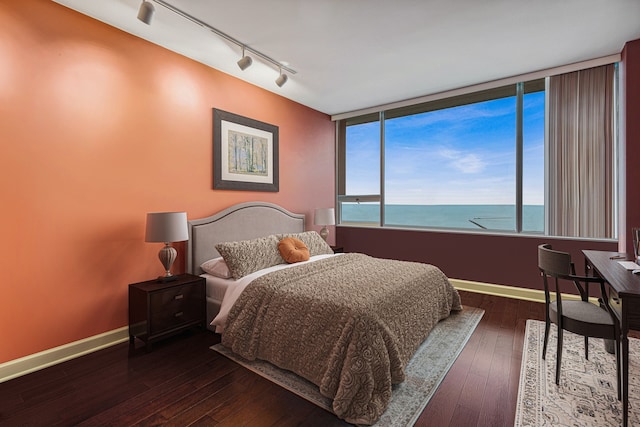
column 463, row 416
column 473, row 392
column 486, row 347
column 156, row 398
column 173, row 404
column 442, row 405
column 494, row 410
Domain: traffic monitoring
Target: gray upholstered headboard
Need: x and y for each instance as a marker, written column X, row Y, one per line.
column 239, row 222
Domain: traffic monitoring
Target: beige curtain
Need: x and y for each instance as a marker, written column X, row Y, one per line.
column 581, row 181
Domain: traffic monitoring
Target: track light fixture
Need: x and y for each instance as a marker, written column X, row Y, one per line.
column 145, row 13
column 244, row 62
column 282, row 79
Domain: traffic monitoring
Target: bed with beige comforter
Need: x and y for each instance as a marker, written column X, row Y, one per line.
column 348, row 323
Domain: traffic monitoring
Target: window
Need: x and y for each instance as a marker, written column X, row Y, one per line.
column 362, row 167
column 470, row 162
column 533, row 162
column 453, row 167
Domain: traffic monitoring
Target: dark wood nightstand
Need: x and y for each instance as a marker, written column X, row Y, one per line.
column 337, row 249
column 158, row 310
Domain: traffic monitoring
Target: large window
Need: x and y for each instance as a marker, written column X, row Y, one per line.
column 472, row 162
column 452, row 167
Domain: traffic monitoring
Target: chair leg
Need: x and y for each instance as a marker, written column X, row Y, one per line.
column 559, row 356
column 586, row 348
column 547, row 325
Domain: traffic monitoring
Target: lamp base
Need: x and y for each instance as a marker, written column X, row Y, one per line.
column 167, row 255
column 324, row 233
column 166, row 279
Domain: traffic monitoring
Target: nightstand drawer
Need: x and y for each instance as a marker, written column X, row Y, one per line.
column 173, row 298
column 175, row 307
column 166, row 320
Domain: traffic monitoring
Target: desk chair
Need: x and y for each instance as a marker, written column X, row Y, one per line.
column 580, row 317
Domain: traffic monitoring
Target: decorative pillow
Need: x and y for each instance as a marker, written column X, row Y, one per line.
column 293, row 250
column 216, row 267
column 314, row 242
column 247, row 256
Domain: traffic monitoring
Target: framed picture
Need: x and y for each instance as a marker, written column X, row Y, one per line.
column 245, row 153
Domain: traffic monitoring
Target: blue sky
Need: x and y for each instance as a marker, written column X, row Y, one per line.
column 460, row 155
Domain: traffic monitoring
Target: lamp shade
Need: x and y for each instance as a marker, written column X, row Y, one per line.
column 324, row 216
column 166, row 227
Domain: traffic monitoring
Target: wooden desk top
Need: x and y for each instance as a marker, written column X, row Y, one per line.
column 623, row 281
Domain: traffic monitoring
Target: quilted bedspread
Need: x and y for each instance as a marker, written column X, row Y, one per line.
column 348, row 323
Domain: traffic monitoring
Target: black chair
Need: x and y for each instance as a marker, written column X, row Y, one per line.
column 580, row 317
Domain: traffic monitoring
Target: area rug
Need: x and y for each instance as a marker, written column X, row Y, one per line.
column 587, row 394
column 424, row 372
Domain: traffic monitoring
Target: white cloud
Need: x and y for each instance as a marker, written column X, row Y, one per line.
column 465, row 163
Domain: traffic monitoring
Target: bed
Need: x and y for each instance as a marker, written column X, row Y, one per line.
column 348, row 323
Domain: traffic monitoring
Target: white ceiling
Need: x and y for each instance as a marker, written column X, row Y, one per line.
column 354, row 54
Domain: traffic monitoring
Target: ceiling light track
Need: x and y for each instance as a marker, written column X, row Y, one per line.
column 223, row 35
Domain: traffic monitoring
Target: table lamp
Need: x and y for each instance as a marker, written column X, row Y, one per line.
column 324, row 217
column 167, row 227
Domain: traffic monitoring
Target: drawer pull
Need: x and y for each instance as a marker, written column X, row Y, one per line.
column 177, row 297
column 178, row 314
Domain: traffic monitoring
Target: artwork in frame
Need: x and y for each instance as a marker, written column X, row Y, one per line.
column 245, row 153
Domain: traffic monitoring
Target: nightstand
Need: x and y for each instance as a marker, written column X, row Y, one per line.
column 337, row 249
column 158, row 310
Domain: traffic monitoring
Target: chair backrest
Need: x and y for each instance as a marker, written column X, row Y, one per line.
column 554, row 263
column 558, row 265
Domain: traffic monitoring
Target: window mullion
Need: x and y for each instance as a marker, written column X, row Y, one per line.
column 382, row 200
column 519, row 153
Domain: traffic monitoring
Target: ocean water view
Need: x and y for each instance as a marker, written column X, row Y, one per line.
column 472, row 217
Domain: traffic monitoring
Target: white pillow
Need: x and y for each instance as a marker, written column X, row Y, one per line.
column 216, row 267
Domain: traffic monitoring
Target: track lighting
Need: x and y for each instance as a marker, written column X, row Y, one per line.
column 244, row 62
column 282, row 79
column 145, row 13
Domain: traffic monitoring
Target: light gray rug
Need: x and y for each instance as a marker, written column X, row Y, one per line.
column 424, row 372
column 587, row 394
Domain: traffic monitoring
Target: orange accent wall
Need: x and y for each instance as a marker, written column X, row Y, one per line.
column 97, row 128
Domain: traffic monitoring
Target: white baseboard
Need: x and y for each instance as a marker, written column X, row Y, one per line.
column 53, row 356
column 37, row 361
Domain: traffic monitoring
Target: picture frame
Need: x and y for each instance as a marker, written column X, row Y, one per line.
column 245, row 153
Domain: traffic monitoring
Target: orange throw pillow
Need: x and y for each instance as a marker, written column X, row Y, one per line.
column 293, row 250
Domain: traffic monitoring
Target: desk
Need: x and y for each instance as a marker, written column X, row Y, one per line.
column 624, row 299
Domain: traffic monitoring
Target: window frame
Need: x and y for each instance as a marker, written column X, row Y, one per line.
column 518, row 89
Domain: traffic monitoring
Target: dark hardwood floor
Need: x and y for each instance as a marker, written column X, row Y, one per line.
column 182, row 382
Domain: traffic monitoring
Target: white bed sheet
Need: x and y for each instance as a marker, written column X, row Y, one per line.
column 235, row 287
column 216, row 286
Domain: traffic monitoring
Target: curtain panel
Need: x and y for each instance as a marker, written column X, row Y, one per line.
column 581, row 144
